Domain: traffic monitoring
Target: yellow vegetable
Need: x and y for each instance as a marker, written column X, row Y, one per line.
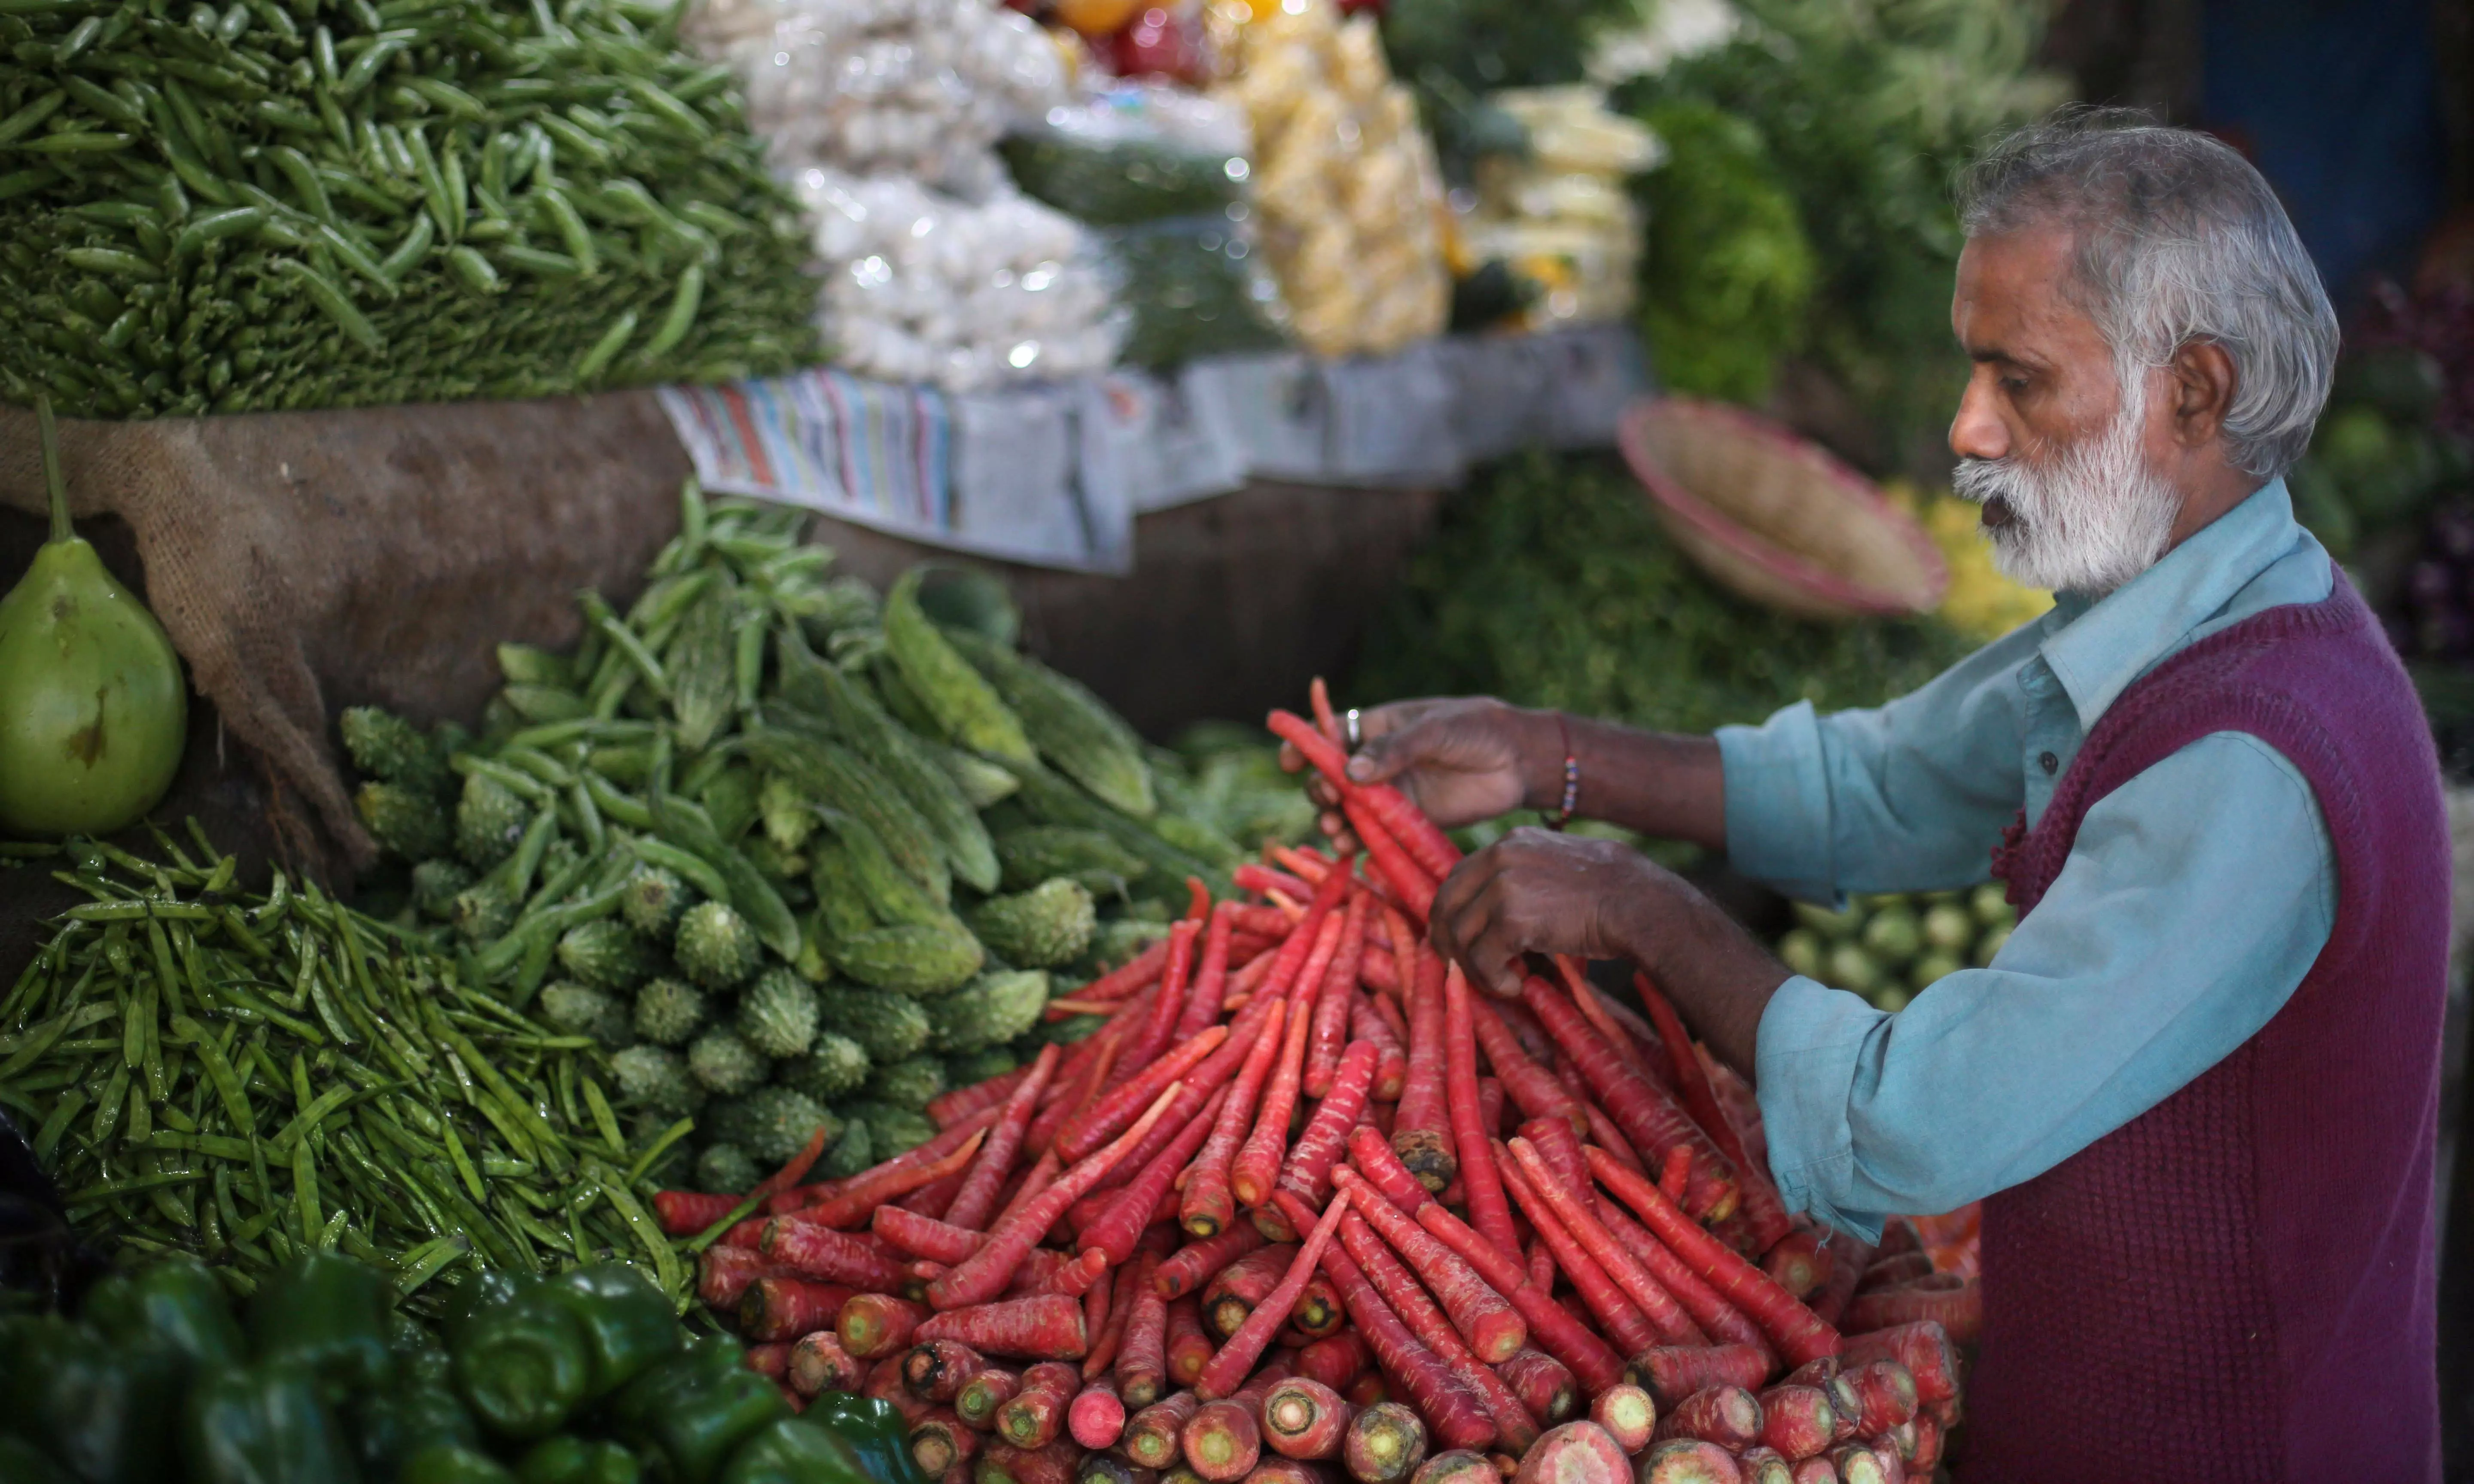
column 1981, row 602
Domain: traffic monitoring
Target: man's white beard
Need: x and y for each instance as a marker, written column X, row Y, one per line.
column 2086, row 517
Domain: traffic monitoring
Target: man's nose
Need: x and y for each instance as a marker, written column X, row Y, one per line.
column 1977, row 431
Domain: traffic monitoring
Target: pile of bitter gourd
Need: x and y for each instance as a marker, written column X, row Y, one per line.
column 301, row 204
column 796, row 855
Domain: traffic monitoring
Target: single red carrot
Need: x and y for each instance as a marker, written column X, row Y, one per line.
column 770, row 1359
column 1329, row 1034
column 1648, row 1117
column 988, row 1389
column 1895, row 1270
column 1273, row 1468
column 1044, row 1326
column 1104, row 1318
column 687, row 1212
column 1814, row 1470
column 1675, row 1372
column 1142, row 1355
column 1368, row 1390
column 1158, row 1030
column 1189, row 1347
column 985, row 1274
column 940, row 1440
column 1372, row 1155
column 1134, row 974
column 1456, row 1411
column 854, row 1203
column 1675, row 1173
column 822, row 1252
column 1304, row 1419
column 1208, row 1205
column 1531, row 1087
column 1236, row 1358
column 1421, row 1131
column 938, row 1370
column 1484, row 1317
column 1562, row 1335
column 818, row 1363
column 1615, row 1312
column 1383, row 1269
column 1096, row 1415
column 1928, row 1447
column 1542, row 1264
column 1798, row 1263
column 1137, row 1205
column 1318, row 1314
column 925, row 1236
column 1309, row 1170
column 1727, row 1416
column 1603, row 1132
column 1887, row 1393
column 1151, row 1437
column 1419, row 837
column 1391, row 1053
column 1956, row 1304
column 1289, row 966
column 1335, row 1361
column 1471, row 1132
column 1581, row 1452
column 875, row 1324
column 1002, row 1463
column 885, row 1383
column 1036, row 1415
column 723, row 1273
column 1848, row 1259
column 1458, row 1466
column 1196, row 1264
column 1689, row 1461
column 957, row 1103
column 1257, row 1165
column 1391, row 870
column 1858, row 1464
column 1800, row 1421
column 1545, row 1384
column 1380, row 971
column 1923, row 1347
column 1765, row 1466
column 1385, row 1444
column 882, row 1182
column 978, row 1196
column 1209, row 982
column 1239, row 1288
column 1628, row 1414
column 1798, row 1333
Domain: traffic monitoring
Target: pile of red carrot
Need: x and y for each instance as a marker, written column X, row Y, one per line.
column 1306, row 1205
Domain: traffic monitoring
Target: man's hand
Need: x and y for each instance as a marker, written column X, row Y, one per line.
column 1459, row 759
column 1537, row 891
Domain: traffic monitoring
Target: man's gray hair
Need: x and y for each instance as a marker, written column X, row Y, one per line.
column 2179, row 239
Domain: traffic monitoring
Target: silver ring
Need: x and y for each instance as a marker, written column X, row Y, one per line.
column 1356, row 737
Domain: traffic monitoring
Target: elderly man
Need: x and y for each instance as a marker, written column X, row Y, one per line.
column 2197, row 1090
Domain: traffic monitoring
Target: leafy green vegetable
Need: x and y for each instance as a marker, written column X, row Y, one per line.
column 1730, row 271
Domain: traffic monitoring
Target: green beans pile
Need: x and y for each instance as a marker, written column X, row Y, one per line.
column 247, row 1079
column 298, row 204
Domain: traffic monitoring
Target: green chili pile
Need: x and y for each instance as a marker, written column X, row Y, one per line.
column 249, row 1078
column 298, row 204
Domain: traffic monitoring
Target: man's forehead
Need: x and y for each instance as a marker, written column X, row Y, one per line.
column 2010, row 300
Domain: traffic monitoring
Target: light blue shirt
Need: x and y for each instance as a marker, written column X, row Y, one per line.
column 2196, row 898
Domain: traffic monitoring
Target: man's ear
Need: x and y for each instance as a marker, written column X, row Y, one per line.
column 2203, row 392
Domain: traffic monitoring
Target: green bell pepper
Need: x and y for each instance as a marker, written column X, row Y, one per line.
column 263, row 1423
column 330, row 1316
column 92, row 1404
column 572, row 1460
column 628, row 1324
column 393, row 1424
column 23, row 1463
column 795, row 1451
column 695, row 1408
column 449, row 1463
column 175, row 1303
column 876, row 1430
column 524, row 1365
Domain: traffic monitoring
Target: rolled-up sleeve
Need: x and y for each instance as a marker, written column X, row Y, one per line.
column 2194, row 901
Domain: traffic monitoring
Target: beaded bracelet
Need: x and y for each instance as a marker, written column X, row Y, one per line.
column 1561, row 815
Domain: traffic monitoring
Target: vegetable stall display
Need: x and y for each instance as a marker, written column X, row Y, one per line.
column 1306, row 1201
column 588, row 1377
column 266, row 205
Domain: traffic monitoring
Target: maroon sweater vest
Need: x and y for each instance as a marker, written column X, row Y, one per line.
column 2238, row 1284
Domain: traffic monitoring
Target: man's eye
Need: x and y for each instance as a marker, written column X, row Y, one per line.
column 2014, row 384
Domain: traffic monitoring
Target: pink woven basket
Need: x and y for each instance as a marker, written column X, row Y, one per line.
column 1776, row 518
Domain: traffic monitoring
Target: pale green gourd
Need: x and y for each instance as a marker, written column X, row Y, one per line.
column 94, row 711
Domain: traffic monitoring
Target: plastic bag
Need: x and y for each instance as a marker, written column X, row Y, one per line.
column 1195, row 287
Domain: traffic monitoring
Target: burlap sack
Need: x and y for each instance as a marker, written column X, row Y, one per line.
column 306, row 562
